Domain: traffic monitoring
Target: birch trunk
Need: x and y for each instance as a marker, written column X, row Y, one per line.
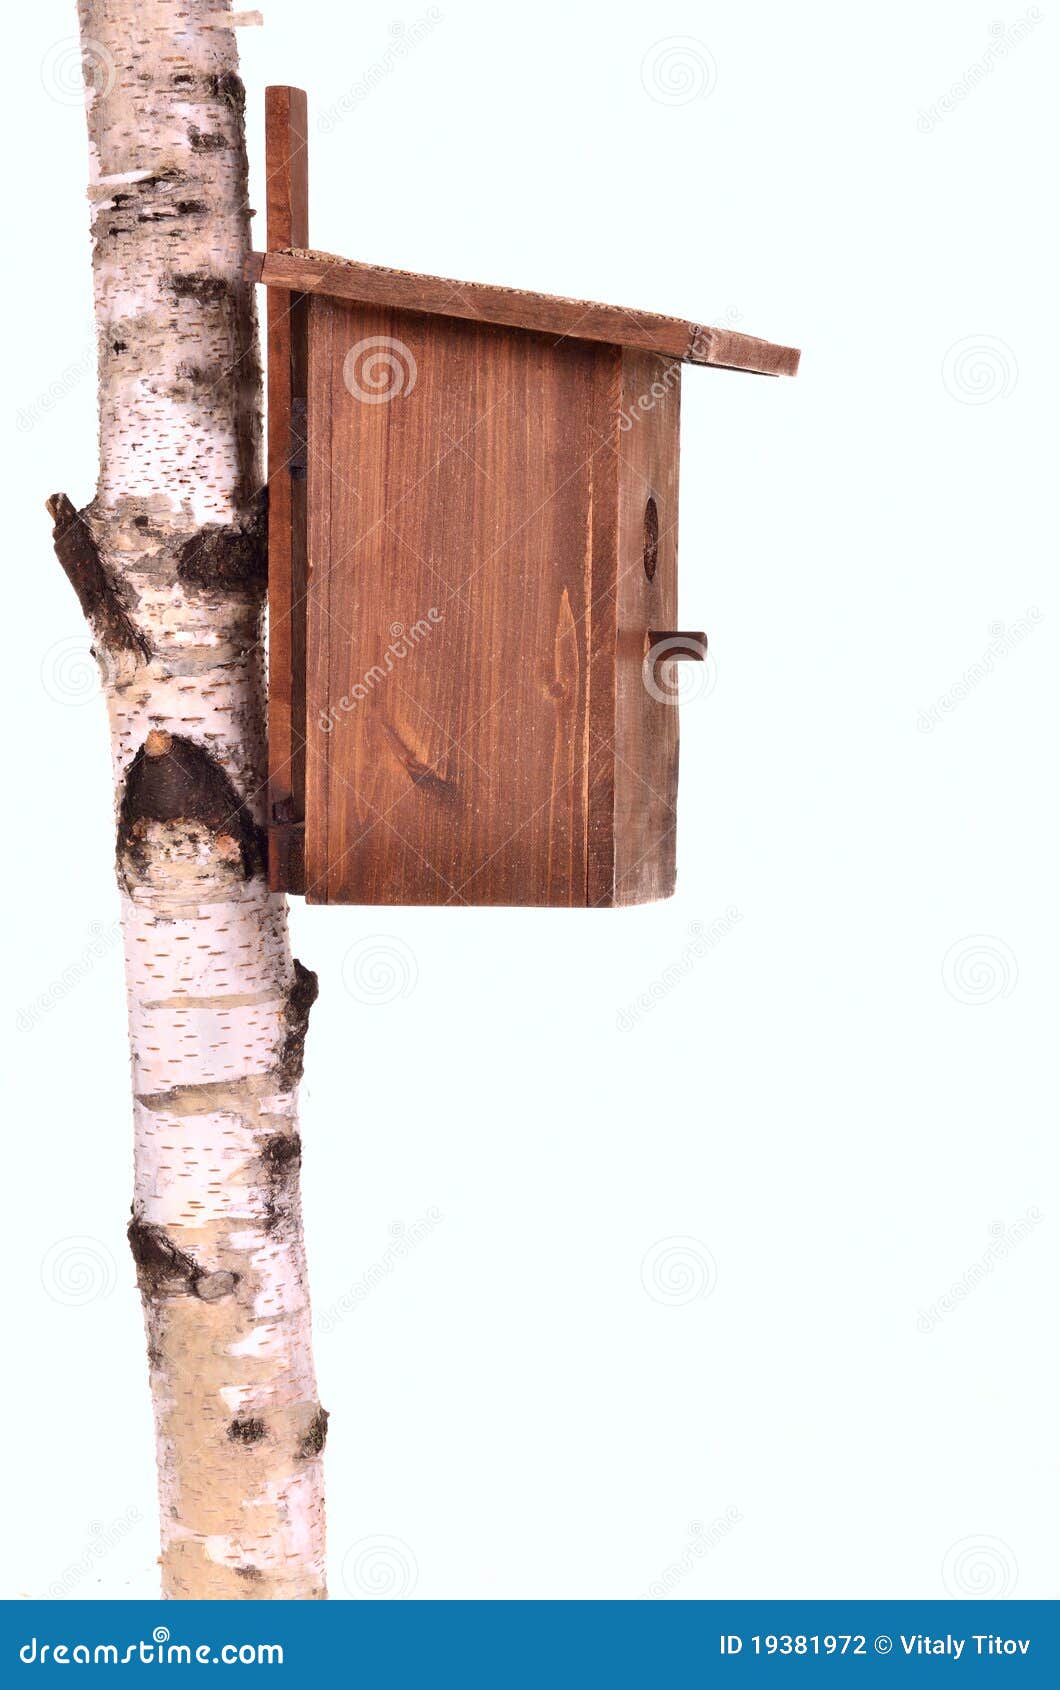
column 168, row 562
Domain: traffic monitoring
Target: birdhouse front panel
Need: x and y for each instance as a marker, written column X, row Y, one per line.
column 490, row 544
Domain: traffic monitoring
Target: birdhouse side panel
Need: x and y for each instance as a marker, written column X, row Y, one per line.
column 451, row 523
column 646, row 728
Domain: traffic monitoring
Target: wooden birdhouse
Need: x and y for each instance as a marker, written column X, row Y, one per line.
column 472, row 577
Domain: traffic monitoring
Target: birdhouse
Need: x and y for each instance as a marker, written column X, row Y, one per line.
column 472, row 577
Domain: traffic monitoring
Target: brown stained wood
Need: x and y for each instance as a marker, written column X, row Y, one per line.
column 644, row 727
column 322, row 563
column 479, row 726
column 603, row 554
column 670, row 646
column 300, row 270
column 450, row 561
column 473, row 549
column 287, row 223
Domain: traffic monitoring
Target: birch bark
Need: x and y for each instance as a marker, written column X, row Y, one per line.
column 168, row 562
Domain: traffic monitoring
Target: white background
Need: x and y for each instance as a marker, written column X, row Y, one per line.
column 841, row 1110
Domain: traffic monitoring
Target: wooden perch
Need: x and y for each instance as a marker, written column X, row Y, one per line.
column 671, row 646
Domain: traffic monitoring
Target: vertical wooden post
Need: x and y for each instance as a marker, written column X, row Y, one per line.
column 287, row 225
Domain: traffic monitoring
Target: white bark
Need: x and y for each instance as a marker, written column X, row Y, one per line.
column 168, row 562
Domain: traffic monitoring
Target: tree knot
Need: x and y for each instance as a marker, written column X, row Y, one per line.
column 218, row 558
column 300, row 1000
column 163, row 1269
column 315, row 1435
column 78, row 553
column 173, row 779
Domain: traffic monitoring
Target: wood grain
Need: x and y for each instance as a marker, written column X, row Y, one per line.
column 479, row 730
column 450, row 560
column 287, row 223
column 576, row 319
column 645, row 734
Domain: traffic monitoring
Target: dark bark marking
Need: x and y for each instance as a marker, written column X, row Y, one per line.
column 281, row 1150
column 181, row 781
column 229, row 88
column 199, row 285
column 226, row 87
column 208, row 141
column 281, row 1159
column 163, row 1269
column 160, row 1264
column 220, row 558
column 300, row 1000
column 246, row 1431
column 137, row 190
column 76, row 549
column 315, row 1436
column 147, row 201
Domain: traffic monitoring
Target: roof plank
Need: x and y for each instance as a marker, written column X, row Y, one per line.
column 301, row 271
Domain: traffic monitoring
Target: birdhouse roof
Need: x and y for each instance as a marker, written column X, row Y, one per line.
column 298, row 270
